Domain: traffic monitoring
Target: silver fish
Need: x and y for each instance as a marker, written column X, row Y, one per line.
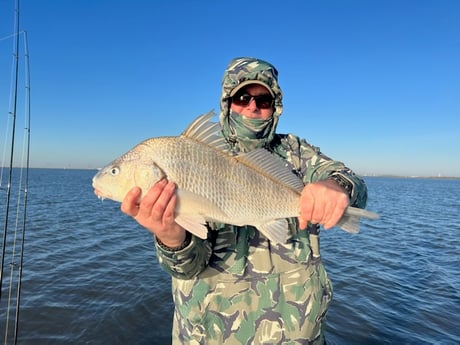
column 255, row 188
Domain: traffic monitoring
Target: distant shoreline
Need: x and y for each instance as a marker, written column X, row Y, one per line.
column 362, row 175
column 415, row 177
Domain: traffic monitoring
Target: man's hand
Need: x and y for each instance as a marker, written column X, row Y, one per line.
column 322, row 202
column 155, row 212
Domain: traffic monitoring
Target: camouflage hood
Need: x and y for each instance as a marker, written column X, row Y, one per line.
column 239, row 73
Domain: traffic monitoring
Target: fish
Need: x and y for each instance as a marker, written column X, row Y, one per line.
column 214, row 184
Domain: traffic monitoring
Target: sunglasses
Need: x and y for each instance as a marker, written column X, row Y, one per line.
column 262, row 101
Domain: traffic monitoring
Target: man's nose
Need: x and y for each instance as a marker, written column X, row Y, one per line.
column 252, row 104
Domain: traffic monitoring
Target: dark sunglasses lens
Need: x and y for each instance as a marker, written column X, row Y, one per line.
column 262, row 102
column 242, row 100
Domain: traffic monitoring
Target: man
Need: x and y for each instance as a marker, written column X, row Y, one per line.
column 236, row 287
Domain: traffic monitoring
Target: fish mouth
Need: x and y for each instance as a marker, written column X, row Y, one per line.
column 99, row 193
column 101, row 196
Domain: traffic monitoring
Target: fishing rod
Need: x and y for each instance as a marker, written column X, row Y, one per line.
column 13, row 131
column 26, row 186
column 18, row 236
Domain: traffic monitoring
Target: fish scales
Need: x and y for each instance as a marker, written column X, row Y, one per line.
column 244, row 195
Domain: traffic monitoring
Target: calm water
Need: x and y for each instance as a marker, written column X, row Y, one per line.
column 91, row 277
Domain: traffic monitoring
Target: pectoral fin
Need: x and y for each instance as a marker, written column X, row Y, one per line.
column 191, row 203
column 193, row 223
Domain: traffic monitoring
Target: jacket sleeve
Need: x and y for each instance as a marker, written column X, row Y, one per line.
column 186, row 263
column 320, row 167
column 312, row 165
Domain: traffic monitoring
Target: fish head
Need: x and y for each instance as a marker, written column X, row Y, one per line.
column 133, row 169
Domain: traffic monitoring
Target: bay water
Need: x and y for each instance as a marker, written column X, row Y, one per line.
column 90, row 274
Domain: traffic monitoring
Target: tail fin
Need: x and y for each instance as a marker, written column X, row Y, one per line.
column 350, row 220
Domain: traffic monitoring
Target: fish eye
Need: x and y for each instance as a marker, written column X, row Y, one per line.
column 114, row 171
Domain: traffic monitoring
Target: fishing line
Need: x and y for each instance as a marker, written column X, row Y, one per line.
column 7, row 127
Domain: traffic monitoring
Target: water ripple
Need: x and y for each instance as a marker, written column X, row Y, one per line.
column 91, row 275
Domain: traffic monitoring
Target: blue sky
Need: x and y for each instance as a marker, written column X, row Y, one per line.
column 374, row 84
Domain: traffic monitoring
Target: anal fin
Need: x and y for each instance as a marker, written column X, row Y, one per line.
column 275, row 230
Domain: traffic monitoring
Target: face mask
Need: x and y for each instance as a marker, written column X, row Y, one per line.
column 245, row 134
column 247, row 128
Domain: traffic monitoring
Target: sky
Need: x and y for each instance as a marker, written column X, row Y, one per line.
column 374, row 84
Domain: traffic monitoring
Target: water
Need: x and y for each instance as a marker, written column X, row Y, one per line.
column 398, row 281
column 91, row 275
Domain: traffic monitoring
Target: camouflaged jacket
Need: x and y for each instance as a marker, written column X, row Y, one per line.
column 236, row 287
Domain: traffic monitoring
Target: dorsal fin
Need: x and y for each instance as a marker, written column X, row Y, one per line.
column 266, row 163
column 260, row 160
column 206, row 132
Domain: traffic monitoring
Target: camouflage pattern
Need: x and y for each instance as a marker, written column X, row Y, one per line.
column 236, row 287
column 253, row 293
column 247, row 69
column 239, row 72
